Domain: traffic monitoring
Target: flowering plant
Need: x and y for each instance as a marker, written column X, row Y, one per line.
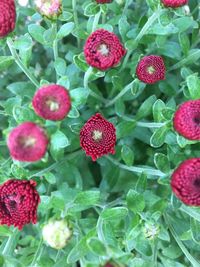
column 99, row 133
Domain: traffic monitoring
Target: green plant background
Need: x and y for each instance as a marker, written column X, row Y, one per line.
column 111, row 203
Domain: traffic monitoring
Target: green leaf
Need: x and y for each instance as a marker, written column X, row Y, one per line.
column 65, row 30
column 135, row 201
column 96, row 246
column 73, row 112
column 80, row 62
column 37, row 32
column 195, row 228
column 5, row 62
column 184, row 42
column 116, row 213
column 141, row 184
column 127, row 155
column 158, row 137
column 60, row 66
column 50, row 177
column 123, row 27
column 91, row 9
column 5, row 231
column 193, row 83
column 146, row 107
column 88, row 198
column 59, row 140
column 158, row 106
column 162, row 163
column 79, row 96
column 125, row 128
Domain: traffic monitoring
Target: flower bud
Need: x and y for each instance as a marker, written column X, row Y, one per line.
column 49, row 8
column 151, row 230
column 56, row 233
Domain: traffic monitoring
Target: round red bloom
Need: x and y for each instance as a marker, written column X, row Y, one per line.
column 18, row 202
column 27, row 142
column 174, row 3
column 151, row 69
column 103, row 1
column 185, row 182
column 103, row 49
column 52, row 102
column 97, row 137
column 7, row 17
column 187, row 120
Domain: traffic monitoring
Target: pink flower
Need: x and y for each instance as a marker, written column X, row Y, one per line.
column 52, row 102
column 18, row 202
column 174, row 3
column 185, row 182
column 97, row 137
column 151, row 69
column 187, row 119
column 7, row 17
column 27, row 142
column 49, row 8
column 103, row 49
column 103, row 1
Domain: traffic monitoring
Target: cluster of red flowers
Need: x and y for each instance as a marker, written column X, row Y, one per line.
column 7, row 17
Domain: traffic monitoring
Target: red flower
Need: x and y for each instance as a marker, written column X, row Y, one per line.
column 52, row 102
column 18, row 203
column 103, row 49
column 185, row 182
column 7, row 17
column 109, row 265
column 174, row 3
column 27, row 142
column 97, row 137
column 187, row 119
column 103, row 1
column 151, row 69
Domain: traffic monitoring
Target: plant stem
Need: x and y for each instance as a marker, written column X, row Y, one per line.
column 20, row 63
column 56, row 164
column 144, row 123
column 85, row 83
column 74, row 6
column 37, row 253
column 55, row 45
column 190, row 258
column 146, row 169
column 121, row 93
column 10, row 244
column 96, row 21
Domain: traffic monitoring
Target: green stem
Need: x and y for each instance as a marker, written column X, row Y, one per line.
column 144, row 124
column 192, row 212
column 121, row 93
column 56, row 164
column 11, row 242
column 20, row 63
column 74, row 6
column 96, row 21
column 190, row 258
column 37, row 253
column 146, row 169
column 128, row 54
column 55, row 45
column 85, row 83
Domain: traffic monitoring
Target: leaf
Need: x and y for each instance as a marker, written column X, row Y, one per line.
column 60, row 66
column 65, row 30
column 5, row 62
column 96, row 246
column 195, row 228
column 135, row 201
column 193, row 83
column 50, row 177
column 162, row 163
column 79, row 96
column 127, row 155
column 146, row 107
column 88, row 198
column 123, row 27
column 125, row 128
column 141, row 184
column 158, row 137
column 80, row 62
column 37, row 32
column 59, row 140
column 116, row 213
column 158, row 106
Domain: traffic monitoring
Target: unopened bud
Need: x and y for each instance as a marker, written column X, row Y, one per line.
column 49, row 8
column 151, row 230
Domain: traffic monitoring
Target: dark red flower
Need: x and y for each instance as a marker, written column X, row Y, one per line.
column 97, row 137
column 185, row 182
column 7, row 17
column 151, row 69
column 187, row 120
column 109, row 265
column 103, row 1
column 27, row 142
column 18, row 202
column 52, row 102
column 174, row 3
column 103, row 49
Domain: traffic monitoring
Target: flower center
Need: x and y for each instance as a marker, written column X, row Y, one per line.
column 197, row 182
column 52, row 104
column 150, row 70
column 197, row 120
column 97, row 135
column 103, row 49
column 27, row 141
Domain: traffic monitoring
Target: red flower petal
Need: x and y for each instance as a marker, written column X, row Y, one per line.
column 174, row 3
column 103, row 49
column 52, row 102
column 8, row 17
column 27, row 142
column 187, row 120
column 185, row 182
column 97, row 137
column 18, row 203
column 103, row 1
column 151, row 69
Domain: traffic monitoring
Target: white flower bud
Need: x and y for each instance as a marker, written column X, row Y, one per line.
column 49, row 8
column 56, row 233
